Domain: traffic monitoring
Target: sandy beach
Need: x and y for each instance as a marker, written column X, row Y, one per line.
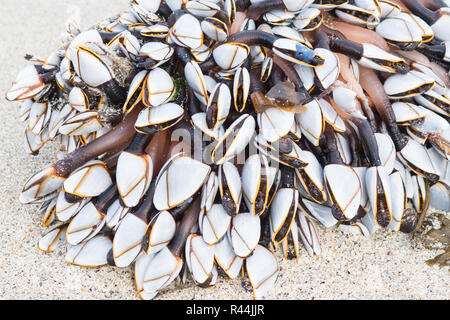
column 387, row 265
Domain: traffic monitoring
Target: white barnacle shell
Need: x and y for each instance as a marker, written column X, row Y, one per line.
column 215, row 29
column 296, row 5
column 244, row 233
column 290, row 33
column 361, row 172
column 149, row 5
column 230, row 184
column 331, row 117
column 65, row 210
column 399, row 31
column 32, row 143
column 311, row 122
column 86, row 224
column 133, row 176
column 306, row 20
column 346, row 100
column 275, row 123
column 320, row 212
column 180, row 180
column 230, row 55
column 226, row 258
column 348, row 199
column 399, row 86
column 439, row 197
column 126, row 43
column 115, row 213
column 398, row 200
column 202, row 8
column 278, row 17
column 308, row 234
column 196, row 81
column 160, row 231
column 406, row 112
column 416, row 157
column 220, row 98
column 53, row 236
column 89, row 180
column 91, row 253
column 92, row 68
column 255, row 169
column 262, row 269
column 237, row 135
column 127, row 242
column 439, row 27
column 140, row 267
column 434, row 101
column 40, row 185
column 215, row 224
column 199, row 259
column 82, row 124
column 306, row 74
column 241, row 88
column 418, row 199
column 389, row 9
column 282, row 213
column 386, row 150
column 426, row 30
column 78, row 99
column 377, row 178
column 39, row 116
column 135, row 91
column 158, row 88
column 187, row 32
column 343, row 147
column 159, row 31
column 327, row 73
column 158, row 51
column 199, row 121
column 25, row 110
column 161, row 271
column 311, row 177
column 26, row 85
column 209, row 192
column 158, row 118
column 357, row 15
column 373, row 55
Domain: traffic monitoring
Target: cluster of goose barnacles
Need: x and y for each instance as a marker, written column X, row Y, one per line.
column 201, row 135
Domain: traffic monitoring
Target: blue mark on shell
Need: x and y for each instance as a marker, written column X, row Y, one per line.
column 304, row 53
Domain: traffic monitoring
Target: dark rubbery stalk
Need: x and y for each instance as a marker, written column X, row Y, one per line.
column 184, row 229
column 116, row 139
column 374, row 88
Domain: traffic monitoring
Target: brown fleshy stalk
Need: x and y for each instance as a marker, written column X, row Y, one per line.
column 433, row 4
column 374, row 88
column 115, row 140
column 258, row 9
column 184, row 229
column 417, row 8
column 158, row 149
column 357, row 34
